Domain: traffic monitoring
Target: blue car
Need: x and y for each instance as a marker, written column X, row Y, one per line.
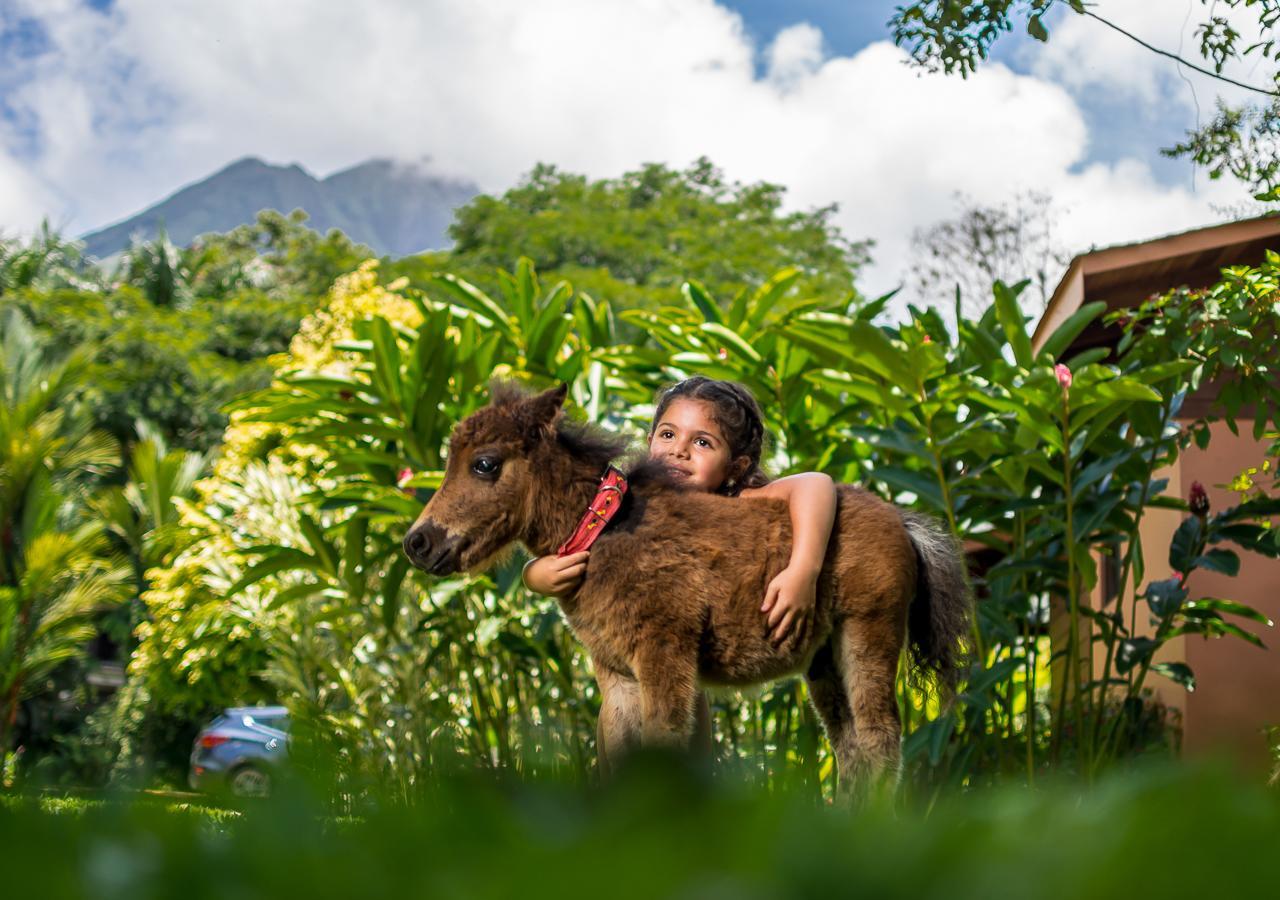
column 241, row 751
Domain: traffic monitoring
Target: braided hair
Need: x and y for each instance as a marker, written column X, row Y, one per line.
column 736, row 411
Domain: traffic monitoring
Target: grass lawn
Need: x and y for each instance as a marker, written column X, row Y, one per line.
column 658, row 832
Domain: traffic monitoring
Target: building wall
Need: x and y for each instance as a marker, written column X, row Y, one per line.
column 1237, row 684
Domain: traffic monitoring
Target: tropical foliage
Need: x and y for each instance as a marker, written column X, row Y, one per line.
column 280, row 575
column 55, row 573
column 1047, row 464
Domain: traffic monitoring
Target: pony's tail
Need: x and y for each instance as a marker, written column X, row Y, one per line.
column 938, row 620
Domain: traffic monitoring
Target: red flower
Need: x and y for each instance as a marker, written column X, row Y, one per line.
column 722, row 353
column 1064, row 376
column 927, row 339
column 1199, row 500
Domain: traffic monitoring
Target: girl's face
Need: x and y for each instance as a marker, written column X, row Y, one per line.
column 690, row 442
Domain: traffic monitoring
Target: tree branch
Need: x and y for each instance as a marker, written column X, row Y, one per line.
column 1175, row 57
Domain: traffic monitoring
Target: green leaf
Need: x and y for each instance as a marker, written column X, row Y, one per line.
column 1121, row 389
column 740, row 346
column 1232, row 607
column 1219, row 560
column 326, row 553
column 1069, row 330
column 391, row 584
column 472, row 297
column 1165, row 597
column 1177, row 672
column 941, row 730
column 1186, row 540
column 768, row 294
column 698, row 296
column 353, row 556
column 985, row 679
column 526, row 289
column 1134, row 651
column 1013, row 321
column 871, row 347
column 1036, row 29
column 282, row 559
column 923, row 486
column 386, row 354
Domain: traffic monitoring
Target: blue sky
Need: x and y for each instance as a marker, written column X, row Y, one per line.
column 1118, row 128
column 109, row 105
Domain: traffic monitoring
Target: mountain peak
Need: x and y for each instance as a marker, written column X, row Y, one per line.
column 395, row 208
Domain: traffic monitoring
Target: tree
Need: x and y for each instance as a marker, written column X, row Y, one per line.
column 635, row 239
column 46, row 262
column 981, row 245
column 178, row 332
column 1243, row 141
column 276, row 253
column 141, row 514
column 54, row 574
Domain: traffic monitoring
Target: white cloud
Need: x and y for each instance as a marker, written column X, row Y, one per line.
column 23, row 202
column 134, row 103
column 794, row 54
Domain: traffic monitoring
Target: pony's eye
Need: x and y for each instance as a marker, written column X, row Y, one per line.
column 485, row 466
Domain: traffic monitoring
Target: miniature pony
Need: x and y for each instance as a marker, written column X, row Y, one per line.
column 671, row 597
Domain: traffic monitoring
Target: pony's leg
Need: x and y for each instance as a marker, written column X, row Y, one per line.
column 668, row 693
column 618, row 728
column 830, row 698
column 868, row 662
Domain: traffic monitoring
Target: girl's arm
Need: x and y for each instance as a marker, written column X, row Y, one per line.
column 811, row 498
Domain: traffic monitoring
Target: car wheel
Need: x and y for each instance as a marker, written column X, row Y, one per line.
column 248, row 781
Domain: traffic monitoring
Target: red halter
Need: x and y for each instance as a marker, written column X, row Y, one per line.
column 605, row 505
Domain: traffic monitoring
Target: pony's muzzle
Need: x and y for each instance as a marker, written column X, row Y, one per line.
column 430, row 549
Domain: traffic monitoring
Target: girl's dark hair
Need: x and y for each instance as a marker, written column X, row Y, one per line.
column 737, row 413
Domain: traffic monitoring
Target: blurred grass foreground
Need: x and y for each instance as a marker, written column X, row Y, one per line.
column 661, row 830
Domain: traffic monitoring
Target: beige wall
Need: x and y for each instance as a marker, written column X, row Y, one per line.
column 1237, row 684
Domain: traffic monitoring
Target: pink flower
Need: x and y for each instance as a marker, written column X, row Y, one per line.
column 927, row 339
column 1064, row 376
column 403, row 476
column 1199, row 500
column 722, row 353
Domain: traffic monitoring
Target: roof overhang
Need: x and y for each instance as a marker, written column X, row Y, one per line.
column 1126, row 275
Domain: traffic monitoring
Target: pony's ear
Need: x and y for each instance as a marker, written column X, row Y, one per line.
column 544, row 406
column 543, row 409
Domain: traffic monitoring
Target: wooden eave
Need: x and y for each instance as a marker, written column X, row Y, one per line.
column 1124, row 276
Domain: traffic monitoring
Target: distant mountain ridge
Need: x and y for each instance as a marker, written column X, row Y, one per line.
column 394, row 208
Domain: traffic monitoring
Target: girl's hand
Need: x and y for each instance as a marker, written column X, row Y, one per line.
column 556, row 576
column 789, row 601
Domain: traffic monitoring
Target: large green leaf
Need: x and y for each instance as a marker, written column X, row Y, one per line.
column 1068, row 331
column 705, row 303
column 1013, row 321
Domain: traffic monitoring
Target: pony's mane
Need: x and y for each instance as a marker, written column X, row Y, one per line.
column 585, row 440
column 650, row 472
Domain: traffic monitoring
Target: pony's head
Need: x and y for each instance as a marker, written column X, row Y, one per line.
column 485, row 500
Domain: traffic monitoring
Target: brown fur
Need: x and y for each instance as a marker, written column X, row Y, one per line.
column 671, row 596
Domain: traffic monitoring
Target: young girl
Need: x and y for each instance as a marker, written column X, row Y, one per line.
column 710, row 434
